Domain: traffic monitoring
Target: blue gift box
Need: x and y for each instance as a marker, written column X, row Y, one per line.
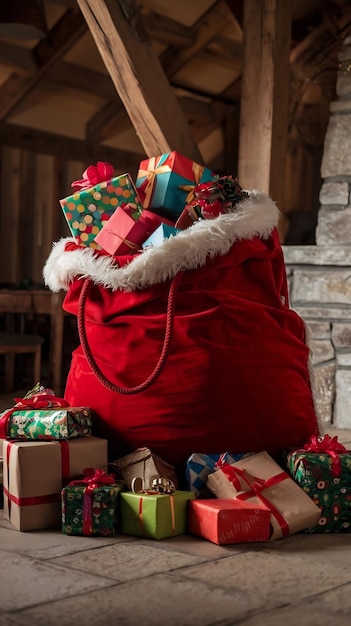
column 164, row 231
column 168, row 181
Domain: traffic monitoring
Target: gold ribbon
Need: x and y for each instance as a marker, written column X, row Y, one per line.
column 150, row 174
column 198, row 170
column 128, row 243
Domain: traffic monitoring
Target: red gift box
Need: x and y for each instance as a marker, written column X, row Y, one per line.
column 124, row 233
column 228, row 521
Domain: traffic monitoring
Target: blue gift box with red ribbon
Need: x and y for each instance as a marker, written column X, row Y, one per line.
column 168, row 182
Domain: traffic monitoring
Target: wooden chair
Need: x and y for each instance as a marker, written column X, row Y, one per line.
column 16, row 343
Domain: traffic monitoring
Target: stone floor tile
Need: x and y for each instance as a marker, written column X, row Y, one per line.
column 162, row 600
column 27, row 582
column 47, row 544
column 334, row 548
column 11, row 620
column 336, row 601
column 125, row 562
column 189, row 544
column 273, row 578
column 303, row 615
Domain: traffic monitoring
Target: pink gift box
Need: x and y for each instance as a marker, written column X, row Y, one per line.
column 228, row 521
column 123, row 234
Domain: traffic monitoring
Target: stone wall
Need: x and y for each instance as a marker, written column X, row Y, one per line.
column 320, row 276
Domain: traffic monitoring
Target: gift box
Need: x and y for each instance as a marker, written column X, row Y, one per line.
column 229, row 521
column 126, row 230
column 49, row 424
column 89, row 505
column 168, row 181
column 95, row 201
column 154, row 515
column 35, row 473
column 143, row 465
column 259, row 479
column 164, row 231
column 42, row 415
column 323, row 470
column 198, row 468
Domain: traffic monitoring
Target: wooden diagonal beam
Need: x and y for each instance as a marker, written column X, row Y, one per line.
column 139, row 79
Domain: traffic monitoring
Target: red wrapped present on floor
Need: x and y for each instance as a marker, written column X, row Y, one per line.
column 229, row 521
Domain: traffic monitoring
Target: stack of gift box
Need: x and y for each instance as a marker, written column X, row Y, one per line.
column 46, row 444
column 57, row 475
column 170, row 193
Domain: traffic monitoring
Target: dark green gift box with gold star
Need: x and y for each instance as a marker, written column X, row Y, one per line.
column 323, row 470
column 89, row 505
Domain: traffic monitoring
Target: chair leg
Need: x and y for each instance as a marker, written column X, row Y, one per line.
column 9, row 371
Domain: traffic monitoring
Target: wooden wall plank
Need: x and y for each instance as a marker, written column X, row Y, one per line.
column 10, row 216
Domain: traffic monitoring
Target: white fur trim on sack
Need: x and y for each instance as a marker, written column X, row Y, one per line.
column 255, row 216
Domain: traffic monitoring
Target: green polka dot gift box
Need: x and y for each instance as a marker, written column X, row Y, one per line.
column 323, row 470
column 96, row 198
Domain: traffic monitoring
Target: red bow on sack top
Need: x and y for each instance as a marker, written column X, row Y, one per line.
column 93, row 175
column 329, row 445
column 37, row 398
column 94, row 478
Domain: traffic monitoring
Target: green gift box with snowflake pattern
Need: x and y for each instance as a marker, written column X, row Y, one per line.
column 50, row 424
column 90, row 510
column 326, row 478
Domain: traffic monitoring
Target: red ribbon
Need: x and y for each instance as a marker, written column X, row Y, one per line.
column 93, row 480
column 329, row 445
column 93, row 175
column 140, row 512
column 256, row 486
column 41, row 400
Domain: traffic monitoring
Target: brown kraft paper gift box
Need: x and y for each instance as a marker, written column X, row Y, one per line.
column 142, row 463
column 291, row 509
column 36, row 471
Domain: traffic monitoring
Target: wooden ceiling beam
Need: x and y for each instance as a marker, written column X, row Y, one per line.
column 84, row 79
column 204, row 31
column 19, row 59
column 105, row 122
column 167, row 31
column 138, row 77
column 47, row 52
column 37, row 141
column 113, row 116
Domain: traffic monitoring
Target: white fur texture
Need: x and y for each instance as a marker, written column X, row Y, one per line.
column 255, row 216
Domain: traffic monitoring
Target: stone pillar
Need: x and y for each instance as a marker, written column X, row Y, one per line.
column 320, row 275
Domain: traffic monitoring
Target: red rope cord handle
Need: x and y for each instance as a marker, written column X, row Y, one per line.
column 165, row 348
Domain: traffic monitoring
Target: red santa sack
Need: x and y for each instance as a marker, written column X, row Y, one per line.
column 190, row 346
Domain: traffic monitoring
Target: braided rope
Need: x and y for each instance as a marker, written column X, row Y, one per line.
column 165, row 348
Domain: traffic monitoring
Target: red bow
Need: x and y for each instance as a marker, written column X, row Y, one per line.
column 94, row 478
column 329, row 445
column 39, row 400
column 93, row 175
